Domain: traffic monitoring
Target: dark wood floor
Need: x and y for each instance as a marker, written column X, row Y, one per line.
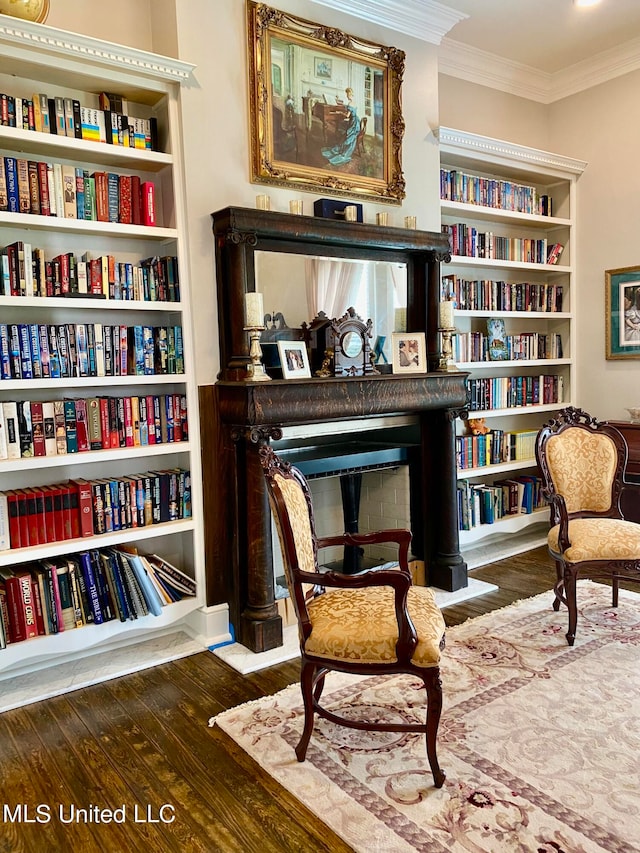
column 142, row 740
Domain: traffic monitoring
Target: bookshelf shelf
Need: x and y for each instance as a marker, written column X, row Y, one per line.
column 53, row 146
column 59, row 225
column 510, row 524
column 79, row 67
column 95, row 456
column 535, row 183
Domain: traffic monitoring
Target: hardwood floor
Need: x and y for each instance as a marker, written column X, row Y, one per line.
column 141, row 743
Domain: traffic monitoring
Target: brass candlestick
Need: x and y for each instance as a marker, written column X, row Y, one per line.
column 446, row 361
column 255, row 370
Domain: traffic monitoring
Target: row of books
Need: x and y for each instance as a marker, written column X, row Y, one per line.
column 70, row 192
column 485, row 504
column 491, row 192
column 30, row 428
column 526, row 346
column 90, row 587
column 79, row 508
column 50, row 351
column 491, row 295
column 67, row 117
column 494, row 448
column 25, row 271
column 510, row 392
column 467, row 241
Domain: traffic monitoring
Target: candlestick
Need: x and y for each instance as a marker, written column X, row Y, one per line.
column 447, row 328
column 254, row 310
column 445, row 315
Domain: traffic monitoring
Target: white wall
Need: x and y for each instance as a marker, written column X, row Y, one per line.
column 602, row 126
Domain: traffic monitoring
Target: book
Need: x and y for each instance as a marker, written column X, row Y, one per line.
column 148, row 203
column 11, row 178
column 497, row 339
column 24, row 192
column 69, row 192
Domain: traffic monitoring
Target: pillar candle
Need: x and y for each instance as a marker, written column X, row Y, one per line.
column 445, row 316
column 254, row 310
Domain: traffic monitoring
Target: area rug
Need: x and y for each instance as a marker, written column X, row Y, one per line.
column 540, row 742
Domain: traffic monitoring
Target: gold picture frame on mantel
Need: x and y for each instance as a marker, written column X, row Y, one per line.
column 325, row 108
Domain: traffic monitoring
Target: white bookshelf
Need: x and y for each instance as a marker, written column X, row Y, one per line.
column 553, row 175
column 36, row 58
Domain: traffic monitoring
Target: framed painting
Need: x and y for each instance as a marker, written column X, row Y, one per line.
column 325, row 108
column 409, row 352
column 294, row 359
column 622, row 304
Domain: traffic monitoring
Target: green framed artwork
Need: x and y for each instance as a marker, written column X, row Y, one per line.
column 622, row 298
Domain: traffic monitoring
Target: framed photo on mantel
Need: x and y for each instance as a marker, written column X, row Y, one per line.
column 325, row 108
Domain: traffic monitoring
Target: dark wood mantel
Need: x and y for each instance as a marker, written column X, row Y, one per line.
column 237, row 416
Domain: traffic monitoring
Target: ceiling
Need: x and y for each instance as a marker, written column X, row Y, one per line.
column 560, row 47
column 548, row 35
column 539, row 49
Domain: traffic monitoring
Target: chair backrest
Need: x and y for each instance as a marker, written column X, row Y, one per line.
column 290, row 502
column 584, row 461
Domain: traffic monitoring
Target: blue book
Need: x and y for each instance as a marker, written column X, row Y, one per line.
column 5, row 352
column 91, row 586
column 80, row 213
column 36, row 358
column 13, row 197
column 113, row 196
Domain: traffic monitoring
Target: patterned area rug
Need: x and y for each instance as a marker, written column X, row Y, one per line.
column 540, row 742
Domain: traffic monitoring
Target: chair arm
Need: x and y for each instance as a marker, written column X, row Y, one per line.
column 560, row 516
column 401, row 537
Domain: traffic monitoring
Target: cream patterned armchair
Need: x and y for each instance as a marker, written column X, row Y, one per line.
column 582, row 463
column 372, row 623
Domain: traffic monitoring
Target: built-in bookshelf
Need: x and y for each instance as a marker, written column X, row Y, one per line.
column 100, row 328
column 509, row 211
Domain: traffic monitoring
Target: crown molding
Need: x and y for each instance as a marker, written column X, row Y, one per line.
column 73, row 45
column 461, row 142
column 487, row 69
column 423, row 19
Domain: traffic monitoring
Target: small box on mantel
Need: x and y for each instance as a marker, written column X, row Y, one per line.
column 329, row 208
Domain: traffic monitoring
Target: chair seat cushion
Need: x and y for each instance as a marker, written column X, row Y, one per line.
column 359, row 625
column 599, row 539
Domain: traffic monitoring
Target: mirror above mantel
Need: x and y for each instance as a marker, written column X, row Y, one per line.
column 305, row 265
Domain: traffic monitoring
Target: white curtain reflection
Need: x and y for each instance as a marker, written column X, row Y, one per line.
column 332, row 286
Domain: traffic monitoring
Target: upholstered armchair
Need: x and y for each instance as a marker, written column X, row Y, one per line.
column 372, row 623
column 582, row 463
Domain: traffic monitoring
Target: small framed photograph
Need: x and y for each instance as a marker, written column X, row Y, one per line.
column 622, row 312
column 294, row 360
column 409, row 352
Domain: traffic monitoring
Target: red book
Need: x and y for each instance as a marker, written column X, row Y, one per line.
column 148, row 202
column 49, row 517
column 82, row 429
column 177, row 423
column 14, row 518
column 65, row 491
column 104, row 423
column 65, row 281
column 33, row 517
column 85, row 506
column 37, row 427
column 23, row 518
column 17, row 616
column 37, row 606
column 102, row 196
column 124, row 213
column 72, row 501
column 151, row 422
column 136, row 209
column 128, row 422
column 45, row 204
column 58, row 512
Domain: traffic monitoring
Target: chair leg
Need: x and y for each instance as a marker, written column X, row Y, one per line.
column 559, row 574
column 306, row 684
column 572, row 605
column 616, row 588
column 433, row 686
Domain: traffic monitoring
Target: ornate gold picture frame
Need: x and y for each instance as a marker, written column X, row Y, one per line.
column 325, row 108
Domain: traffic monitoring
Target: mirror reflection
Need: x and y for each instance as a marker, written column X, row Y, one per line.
column 300, row 286
column 351, row 344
